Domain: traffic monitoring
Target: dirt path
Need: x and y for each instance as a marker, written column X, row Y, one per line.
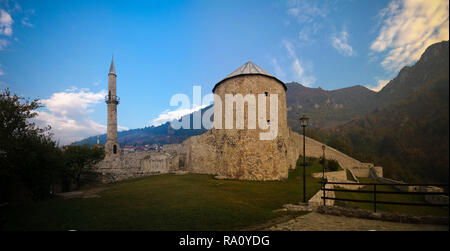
column 88, row 193
column 321, row 222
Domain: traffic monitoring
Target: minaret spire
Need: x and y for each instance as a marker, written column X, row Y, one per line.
column 112, row 69
column 112, row 147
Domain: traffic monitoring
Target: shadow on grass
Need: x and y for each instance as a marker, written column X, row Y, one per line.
column 166, row 202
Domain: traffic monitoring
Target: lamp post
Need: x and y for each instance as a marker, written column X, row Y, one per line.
column 323, row 163
column 304, row 124
column 323, row 175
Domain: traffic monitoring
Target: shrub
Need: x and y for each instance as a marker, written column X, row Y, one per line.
column 333, row 165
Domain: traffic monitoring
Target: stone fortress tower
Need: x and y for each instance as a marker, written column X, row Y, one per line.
column 239, row 153
column 112, row 147
column 243, row 154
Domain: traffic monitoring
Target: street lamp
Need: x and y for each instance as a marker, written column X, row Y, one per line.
column 304, row 124
column 323, row 174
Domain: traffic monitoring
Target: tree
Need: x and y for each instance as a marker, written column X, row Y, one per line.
column 28, row 156
column 80, row 160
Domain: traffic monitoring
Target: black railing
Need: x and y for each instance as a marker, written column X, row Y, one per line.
column 374, row 191
column 112, row 99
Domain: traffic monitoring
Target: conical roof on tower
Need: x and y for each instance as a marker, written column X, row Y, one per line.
column 112, row 69
column 249, row 68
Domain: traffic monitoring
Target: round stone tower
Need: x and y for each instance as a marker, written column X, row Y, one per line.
column 256, row 149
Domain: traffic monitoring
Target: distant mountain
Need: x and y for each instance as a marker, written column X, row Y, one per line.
column 410, row 136
column 327, row 108
column 332, row 108
column 432, row 63
column 161, row 135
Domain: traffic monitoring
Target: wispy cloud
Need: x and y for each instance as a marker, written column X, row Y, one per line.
column 379, row 86
column 68, row 113
column 3, row 44
column 26, row 22
column 340, row 43
column 6, row 22
column 278, row 71
column 309, row 16
column 168, row 115
column 297, row 67
column 307, row 11
column 408, row 28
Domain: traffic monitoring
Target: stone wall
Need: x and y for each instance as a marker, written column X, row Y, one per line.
column 131, row 165
column 314, row 149
column 336, row 176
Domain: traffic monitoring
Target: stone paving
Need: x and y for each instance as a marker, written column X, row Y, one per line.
column 320, row 222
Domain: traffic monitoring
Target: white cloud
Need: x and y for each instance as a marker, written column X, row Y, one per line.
column 309, row 16
column 307, row 11
column 26, row 22
column 168, row 115
column 308, row 32
column 340, row 43
column 68, row 113
column 408, row 28
column 6, row 22
column 379, row 86
column 278, row 71
column 293, row 11
column 297, row 67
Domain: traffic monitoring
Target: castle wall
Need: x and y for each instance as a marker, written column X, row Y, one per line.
column 314, row 149
column 131, row 165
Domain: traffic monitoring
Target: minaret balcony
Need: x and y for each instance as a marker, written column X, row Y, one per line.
column 112, row 99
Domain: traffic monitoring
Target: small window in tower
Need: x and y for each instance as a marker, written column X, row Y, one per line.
column 115, row 149
column 267, row 94
column 268, row 122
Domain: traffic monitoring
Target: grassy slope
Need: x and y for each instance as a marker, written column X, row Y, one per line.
column 166, row 202
column 413, row 210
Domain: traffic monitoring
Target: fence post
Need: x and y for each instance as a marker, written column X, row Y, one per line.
column 375, row 198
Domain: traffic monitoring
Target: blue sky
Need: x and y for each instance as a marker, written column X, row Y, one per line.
column 60, row 51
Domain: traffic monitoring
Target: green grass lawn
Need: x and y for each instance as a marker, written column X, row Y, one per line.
column 166, row 202
column 413, row 210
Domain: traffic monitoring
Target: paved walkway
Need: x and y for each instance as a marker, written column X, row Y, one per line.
column 321, row 222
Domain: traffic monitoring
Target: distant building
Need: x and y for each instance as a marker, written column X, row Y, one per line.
column 128, row 149
column 98, row 145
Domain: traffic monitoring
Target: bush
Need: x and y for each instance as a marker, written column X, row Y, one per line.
column 79, row 162
column 333, row 165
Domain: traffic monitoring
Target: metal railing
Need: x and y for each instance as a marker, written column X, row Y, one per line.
column 374, row 192
column 112, row 99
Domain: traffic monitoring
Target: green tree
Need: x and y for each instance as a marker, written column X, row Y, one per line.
column 28, row 156
column 80, row 160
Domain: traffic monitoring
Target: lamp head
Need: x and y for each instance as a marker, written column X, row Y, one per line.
column 304, row 121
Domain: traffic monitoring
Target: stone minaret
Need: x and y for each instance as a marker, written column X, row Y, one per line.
column 112, row 147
